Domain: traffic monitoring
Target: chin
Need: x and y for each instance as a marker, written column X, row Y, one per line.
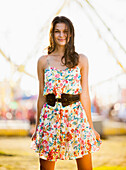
column 62, row 43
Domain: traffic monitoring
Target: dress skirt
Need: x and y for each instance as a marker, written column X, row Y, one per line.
column 64, row 133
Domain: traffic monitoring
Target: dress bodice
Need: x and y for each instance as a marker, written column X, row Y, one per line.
column 62, row 81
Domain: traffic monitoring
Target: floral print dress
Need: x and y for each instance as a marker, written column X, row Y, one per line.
column 63, row 132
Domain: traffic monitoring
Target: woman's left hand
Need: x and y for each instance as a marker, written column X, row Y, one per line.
column 97, row 135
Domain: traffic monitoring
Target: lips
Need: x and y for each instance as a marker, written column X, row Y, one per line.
column 61, row 39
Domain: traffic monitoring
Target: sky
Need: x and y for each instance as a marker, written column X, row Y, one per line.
column 22, row 38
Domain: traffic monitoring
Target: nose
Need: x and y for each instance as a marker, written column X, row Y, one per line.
column 61, row 34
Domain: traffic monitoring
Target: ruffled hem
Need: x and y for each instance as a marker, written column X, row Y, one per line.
column 54, row 156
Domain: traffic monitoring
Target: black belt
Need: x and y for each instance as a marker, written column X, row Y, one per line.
column 66, row 99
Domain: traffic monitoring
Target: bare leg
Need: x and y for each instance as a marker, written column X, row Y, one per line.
column 84, row 163
column 46, row 165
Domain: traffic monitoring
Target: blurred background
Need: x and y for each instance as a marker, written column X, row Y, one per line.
column 24, row 36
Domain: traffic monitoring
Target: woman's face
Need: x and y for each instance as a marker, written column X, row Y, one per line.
column 60, row 34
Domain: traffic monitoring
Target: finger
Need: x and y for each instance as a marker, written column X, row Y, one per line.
column 98, row 137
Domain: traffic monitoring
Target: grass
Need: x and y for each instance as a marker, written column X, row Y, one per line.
column 15, row 154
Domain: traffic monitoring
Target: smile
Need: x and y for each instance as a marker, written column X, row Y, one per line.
column 61, row 39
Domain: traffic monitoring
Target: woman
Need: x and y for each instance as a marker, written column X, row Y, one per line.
column 64, row 128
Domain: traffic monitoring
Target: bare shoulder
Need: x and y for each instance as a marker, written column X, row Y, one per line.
column 42, row 61
column 83, row 60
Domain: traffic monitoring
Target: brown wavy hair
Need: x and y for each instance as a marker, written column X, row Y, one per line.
column 71, row 57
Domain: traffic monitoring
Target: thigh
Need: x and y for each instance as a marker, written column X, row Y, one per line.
column 46, row 165
column 84, row 163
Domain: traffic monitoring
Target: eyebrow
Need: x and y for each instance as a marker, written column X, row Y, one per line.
column 58, row 29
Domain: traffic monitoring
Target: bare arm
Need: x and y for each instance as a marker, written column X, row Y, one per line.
column 41, row 98
column 84, row 97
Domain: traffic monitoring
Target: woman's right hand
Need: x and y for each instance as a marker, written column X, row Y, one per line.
column 34, row 135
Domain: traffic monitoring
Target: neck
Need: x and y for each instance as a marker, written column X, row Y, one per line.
column 60, row 50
